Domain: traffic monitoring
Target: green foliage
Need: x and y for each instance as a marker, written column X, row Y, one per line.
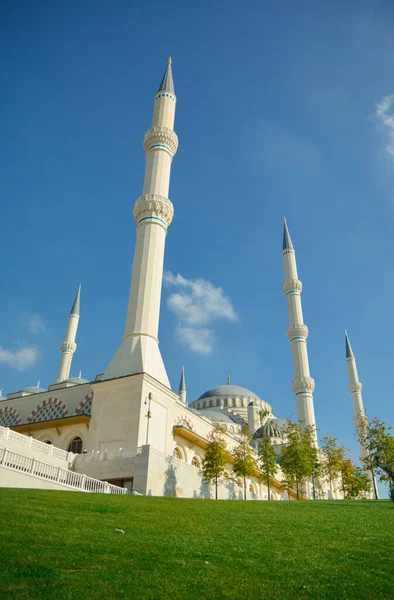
column 62, row 546
column 333, row 458
column 244, row 460
column 355, row 482
column 215, row 458
column 267, row 461
column 376, row 438
column 298, row 458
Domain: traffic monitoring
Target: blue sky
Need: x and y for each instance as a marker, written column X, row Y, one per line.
column 283, row 109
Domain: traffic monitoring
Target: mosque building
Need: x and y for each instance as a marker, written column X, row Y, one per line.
column 128, row 427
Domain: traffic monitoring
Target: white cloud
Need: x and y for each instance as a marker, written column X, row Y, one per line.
column 21, row 359
column 197, row 340
column 197, row 303
column 385, row 116
column 35, row 324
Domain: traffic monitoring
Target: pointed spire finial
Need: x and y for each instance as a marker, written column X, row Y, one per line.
column 76, row 306
column 287, row 243
column 229, row 378
column 167, row 83
column 182, row 383
column 349, row 351
column 39, row 383
column 80, row 374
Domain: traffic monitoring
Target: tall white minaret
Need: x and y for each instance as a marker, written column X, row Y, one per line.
column 69, row 346
column 355, row 387
column 182, row 387
column 153, row 212
column 302, row 384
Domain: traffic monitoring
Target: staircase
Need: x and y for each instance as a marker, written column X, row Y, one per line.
column 40, row 471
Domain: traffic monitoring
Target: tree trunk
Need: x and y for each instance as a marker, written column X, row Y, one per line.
column 269, row 487
column 298, row 496
column 244, row 487
column 216, row 487
column 375, row 491
column 313, row 485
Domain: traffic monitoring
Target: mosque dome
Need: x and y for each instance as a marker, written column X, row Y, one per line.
column 229, row 398
column 228, row 391
column 273, row 427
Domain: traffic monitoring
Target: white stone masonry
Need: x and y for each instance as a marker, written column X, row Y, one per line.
column 302, row 384
column 153, row 212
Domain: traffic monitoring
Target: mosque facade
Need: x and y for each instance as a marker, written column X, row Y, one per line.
column 128, row 427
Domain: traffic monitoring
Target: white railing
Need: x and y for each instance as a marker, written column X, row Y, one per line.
column 17, row 462
column 30, row 442
column 102, row 456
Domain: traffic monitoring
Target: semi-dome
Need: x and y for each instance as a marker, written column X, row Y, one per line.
column 228, row 390
column 273, row 427
column 218, row 416
column 77, row 380
column 35, row 389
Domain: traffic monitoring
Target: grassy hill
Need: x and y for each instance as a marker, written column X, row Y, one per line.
column 66, row 545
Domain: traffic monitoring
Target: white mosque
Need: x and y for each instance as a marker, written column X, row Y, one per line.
column 128, row 427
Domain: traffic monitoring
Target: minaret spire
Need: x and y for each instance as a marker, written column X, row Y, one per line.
column 153, row 212
column 355, row 387
column 302, row 384
column 69, row 346
column 182, row 386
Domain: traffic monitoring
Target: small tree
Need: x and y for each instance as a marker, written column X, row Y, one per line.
column 244, row 459
column 347, row 470
column 297, row 455
column 316, row 467
column 267, row 461
column 215, row 458
column 333, row 458
column 360, row 484
column 378, row 442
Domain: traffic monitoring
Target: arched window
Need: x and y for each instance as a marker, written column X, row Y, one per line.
column 218, row 402
column 225, row 403
column 210, row 403
column 204, row 404
column 196, row 462
column 75, row 445
column 240, row 483
column 177, row 453
column 251, row 489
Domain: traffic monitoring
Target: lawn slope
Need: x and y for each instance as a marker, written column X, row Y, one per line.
column 66, row 545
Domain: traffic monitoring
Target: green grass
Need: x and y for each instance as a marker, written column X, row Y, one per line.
column 65, row 545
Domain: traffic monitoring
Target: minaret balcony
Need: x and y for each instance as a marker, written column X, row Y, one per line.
column 161, row 138
column 356, row 386
column 292, row 285
column 297, row 331
column 68, row 347
column 154, row 205
column 303, row 384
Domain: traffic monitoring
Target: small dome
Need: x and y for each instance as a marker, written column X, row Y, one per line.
column 228, row 390
column 77, row 380
column 35, row 389
column 218, row 416
column 273, row 427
